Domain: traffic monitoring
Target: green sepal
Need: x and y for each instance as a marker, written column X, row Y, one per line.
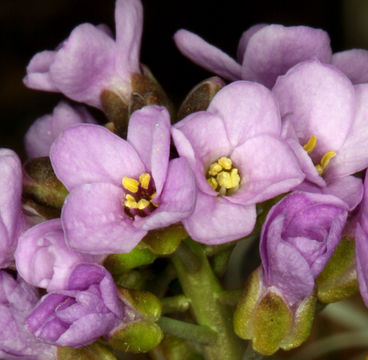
column 42, row 189
column 272, row 321
column 137, row 337
column 147, row 304
column 302, row 326
column 119, row 263
column 338, row 280
column 94, row 351
column 246, row 305
column 200, row 96
column 133, row 279
column 165, row 241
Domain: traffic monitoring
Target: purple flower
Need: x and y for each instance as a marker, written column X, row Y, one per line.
column 324, row 121
column 119, row 190
column 238, row 159
column 11, row 218
column 45, row 129
column 88, row 308
column 43, row 259
column 17, row 299
column 90, row 60
column 268, row 51
column 298, row 237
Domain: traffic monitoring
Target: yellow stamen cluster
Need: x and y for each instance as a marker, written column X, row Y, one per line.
column 309, row 147
column 134, row 186
column 223, row 177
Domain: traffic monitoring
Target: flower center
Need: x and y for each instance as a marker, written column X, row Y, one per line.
column 139, row 197
column 223, row 177
column 325, row 160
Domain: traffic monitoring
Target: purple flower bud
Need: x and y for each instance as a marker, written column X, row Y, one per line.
column 17, row 299
column 107, row 63
column 45, row 129
column 11, row 218
column 44, row 260
column 87, row 309
column 298, row 237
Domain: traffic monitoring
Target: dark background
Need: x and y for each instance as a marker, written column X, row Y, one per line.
column 27, row 27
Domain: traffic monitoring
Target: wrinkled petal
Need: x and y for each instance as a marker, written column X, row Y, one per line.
column 129, row 25
column 100, row 226
column 274, row 49
column 43, row 258
column 45, row 129
column 257, row 113
column 319, row 101
column 194, row 139
column 149, row 133
column 348, row 188
column 215, row 220
column 206, row 55
column 353, row 63
column 38, row 76
column 84, row 80
column 352, row 157
column 177, row 199
column 244, row 39
column 287, row 269
column 267, row 168
column 91, row 153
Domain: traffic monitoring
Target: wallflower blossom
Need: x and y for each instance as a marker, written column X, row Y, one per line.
column 324, row 121
column 88, row 308
column 268, row 51
column 11, row 217
column 43, row 258
column 238, row 158
column 107, row 63
column 45, row 129
column 17, row 299
column 119, row 190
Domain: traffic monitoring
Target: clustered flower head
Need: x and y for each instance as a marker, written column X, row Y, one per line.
column 274, row 155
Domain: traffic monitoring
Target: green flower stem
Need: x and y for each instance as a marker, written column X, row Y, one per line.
column 175, row 303
column 188, row 258
column 230, row 297
column 200, row 334
column 203, row 290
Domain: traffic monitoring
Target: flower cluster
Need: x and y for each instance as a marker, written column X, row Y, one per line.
column 273, row 154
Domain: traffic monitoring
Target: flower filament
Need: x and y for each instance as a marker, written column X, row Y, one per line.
column 310, row 146
column 139, row 197
column 223, row 177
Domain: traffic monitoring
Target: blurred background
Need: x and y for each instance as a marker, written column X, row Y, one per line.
column 27, row 27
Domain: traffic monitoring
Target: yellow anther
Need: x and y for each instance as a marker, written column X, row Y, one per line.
column 213, row 183
column 311, row 144
column 143, row 203
column 214, row 169
column 225, row 162
column 325, row 161
column 130, row 202
column 224, row 179
column 235, row 178
column 130, row 184
column 144, row 179
column 153, row 195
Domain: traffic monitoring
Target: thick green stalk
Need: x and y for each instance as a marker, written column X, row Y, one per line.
column 203, row 289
